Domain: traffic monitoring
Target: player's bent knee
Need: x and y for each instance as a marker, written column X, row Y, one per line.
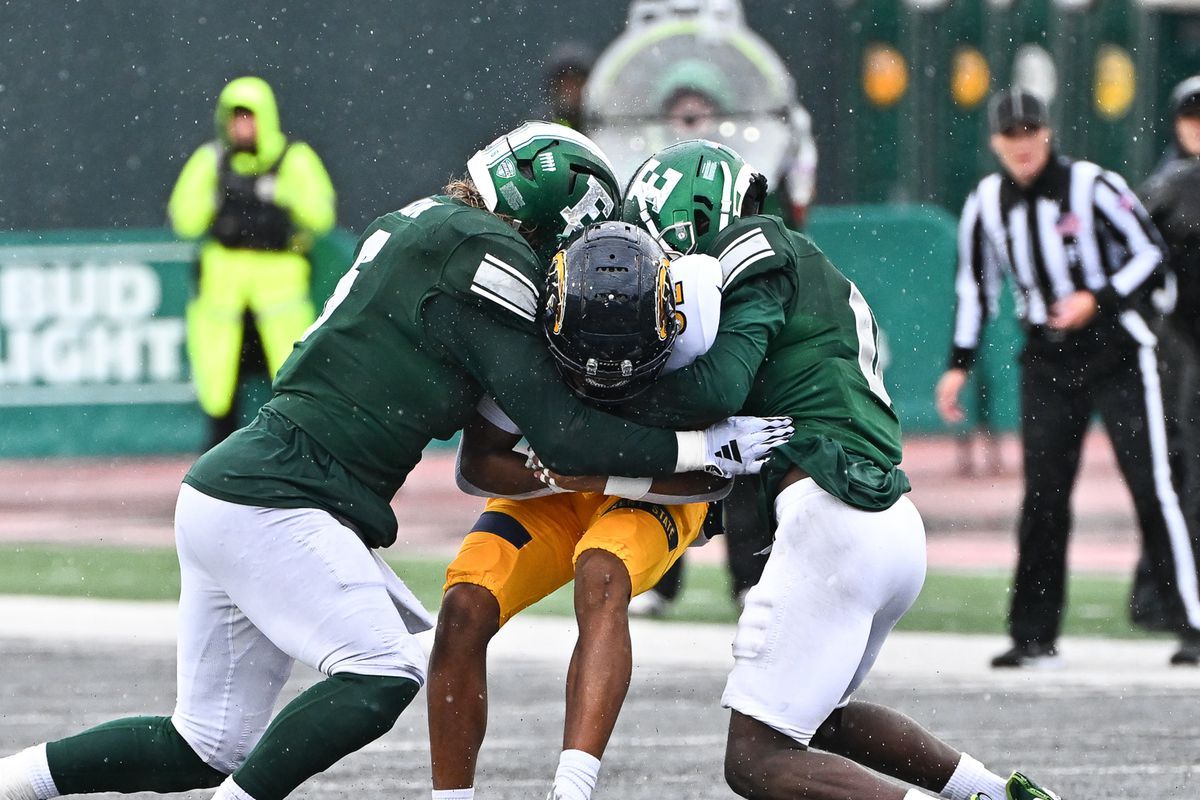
column 375, row 702
column 217, row 753
column 601, row 581
column 739, row 770
column 469, row 610
column 828, row 736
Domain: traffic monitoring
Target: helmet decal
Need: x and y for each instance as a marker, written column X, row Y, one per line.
column 650, row 189
column 726, row 197
column 550, row 180
column 687, row 193
column 653, row 184
column 596, row 205
column 662, row 311
column 559, row 298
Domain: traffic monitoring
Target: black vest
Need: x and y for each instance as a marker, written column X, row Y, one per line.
column 244, row 220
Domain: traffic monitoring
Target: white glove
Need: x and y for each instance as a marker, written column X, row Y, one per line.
column 736, row 446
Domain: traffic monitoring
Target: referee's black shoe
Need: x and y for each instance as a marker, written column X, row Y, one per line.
column 1188, row 654
column 1029, row 655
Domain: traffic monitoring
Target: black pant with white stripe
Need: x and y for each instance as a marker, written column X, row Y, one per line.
column 1109, row 369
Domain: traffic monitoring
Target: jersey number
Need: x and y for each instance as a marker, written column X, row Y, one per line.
column 868, row 347
column 680, row 317
column 370, row 249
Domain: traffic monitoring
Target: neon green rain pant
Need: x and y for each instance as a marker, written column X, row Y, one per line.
column 273, row 286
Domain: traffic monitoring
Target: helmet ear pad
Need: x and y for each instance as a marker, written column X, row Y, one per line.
column 609, row 317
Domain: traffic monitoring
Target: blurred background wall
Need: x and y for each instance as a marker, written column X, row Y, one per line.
column 102, row 100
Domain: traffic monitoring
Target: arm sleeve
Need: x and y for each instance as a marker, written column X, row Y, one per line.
column 976, row 284
column 514, row 367
column 716, row 384
column 1116, row 204
column 305, row 190
column 193, row 203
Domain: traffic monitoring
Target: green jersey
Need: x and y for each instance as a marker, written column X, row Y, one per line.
column 439, row 307
column 796, row 338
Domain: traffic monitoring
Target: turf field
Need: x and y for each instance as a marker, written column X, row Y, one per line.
column 1116, row 723
column 955, row 602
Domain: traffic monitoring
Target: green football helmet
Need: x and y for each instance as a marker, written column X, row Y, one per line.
column 553, row 180
column 685, row 194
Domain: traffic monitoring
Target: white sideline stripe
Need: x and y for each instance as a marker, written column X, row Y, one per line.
column 907, row 658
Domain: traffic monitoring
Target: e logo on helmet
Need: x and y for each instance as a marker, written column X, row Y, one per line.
column 596, row 205
column 652, row 188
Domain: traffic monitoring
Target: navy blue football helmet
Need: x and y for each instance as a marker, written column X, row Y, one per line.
column 609, row 316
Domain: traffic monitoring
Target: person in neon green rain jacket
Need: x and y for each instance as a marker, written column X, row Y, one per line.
column 257, row 201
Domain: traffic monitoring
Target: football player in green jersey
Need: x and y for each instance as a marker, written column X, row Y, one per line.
column 274, row 527
column 797, row 338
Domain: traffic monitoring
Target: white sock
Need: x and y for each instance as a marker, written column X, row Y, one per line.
column 26, row 775
column 970, row 777
column 576, row 775
column 228, row 790
column 915, row 794
column 454, row 794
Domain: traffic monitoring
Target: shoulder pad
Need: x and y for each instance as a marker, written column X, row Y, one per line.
column 753, row 246
column 489, row 264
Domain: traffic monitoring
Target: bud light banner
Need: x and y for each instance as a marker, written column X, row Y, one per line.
column 93, row 356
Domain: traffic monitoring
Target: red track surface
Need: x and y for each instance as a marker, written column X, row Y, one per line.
column 970, row 519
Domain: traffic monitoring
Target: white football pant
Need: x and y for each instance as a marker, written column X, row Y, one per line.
column 837, row 581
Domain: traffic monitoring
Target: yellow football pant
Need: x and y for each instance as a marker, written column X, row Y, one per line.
column 523, row 550
column 273, row 286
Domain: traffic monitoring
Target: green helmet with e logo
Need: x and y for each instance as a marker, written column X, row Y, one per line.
column 550, row 178
column 685, row 194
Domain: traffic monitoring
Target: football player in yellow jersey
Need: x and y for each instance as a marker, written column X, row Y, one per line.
column 611, row 322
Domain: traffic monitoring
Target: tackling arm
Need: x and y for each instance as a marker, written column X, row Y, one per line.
column 672, row 490
column 515, row 368
column 717, row 383
column 487, row 465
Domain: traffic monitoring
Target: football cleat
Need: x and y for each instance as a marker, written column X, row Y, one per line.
column 1188, row 654
column 1019, row 787
column 1030, row 655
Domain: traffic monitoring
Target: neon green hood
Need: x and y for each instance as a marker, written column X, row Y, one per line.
column 255, row 95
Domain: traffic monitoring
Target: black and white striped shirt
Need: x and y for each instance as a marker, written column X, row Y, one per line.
column 1076, row 228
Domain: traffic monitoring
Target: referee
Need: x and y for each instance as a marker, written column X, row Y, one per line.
column 1082, row 256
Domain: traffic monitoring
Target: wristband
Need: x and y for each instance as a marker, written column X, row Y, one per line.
column 690, row 451
column 629, row 488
